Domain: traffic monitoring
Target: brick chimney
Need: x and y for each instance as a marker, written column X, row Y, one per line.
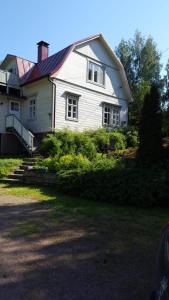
column 42, row 50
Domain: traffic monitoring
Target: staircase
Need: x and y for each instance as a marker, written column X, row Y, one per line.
column 14, row 125
column 18, row 174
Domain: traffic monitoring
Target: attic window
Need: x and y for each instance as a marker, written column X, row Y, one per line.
column 96, row 73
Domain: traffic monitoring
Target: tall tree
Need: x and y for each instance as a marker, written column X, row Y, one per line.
column 141, row 61
column 150, row 149
column 165, row 101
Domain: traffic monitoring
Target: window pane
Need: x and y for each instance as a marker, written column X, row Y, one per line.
column 96, row 73
column 101, row 78
column 90, row 72
column 32, row 109
column 95, row 76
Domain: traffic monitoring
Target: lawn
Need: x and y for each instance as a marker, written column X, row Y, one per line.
column 8, row 165
column 106, row 247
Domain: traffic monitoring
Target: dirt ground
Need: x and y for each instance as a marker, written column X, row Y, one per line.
column 66, row 260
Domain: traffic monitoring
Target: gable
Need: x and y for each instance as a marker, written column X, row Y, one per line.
column 10, row 64
column 96, row 50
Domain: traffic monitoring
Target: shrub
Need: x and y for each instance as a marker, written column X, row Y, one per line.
column 118, row 140
column 71, row 162
column 132, row 138
column 66, row 162
column 66, row 139
column 50, row 146
column 104, row 139
column 84, row 145
column 100, row 138
column 64, row 142
column 103, row 162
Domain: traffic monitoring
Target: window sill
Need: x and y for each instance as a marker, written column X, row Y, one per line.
column 71, row 119
column 95, row 83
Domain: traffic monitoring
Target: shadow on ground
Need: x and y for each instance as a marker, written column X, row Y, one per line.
column 45, row 256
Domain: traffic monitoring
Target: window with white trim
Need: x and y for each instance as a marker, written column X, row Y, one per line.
column 96, row 73
column 32, row 109
column 111, row 115
column 72, row 107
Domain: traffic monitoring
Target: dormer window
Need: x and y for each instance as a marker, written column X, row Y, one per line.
column 96, row 73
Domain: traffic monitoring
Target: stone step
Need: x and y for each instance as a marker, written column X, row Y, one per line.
column 16, row 176
column 29, row 163
column 10, row 180
column 30, row 160
column 25, row 167
column 19, row 171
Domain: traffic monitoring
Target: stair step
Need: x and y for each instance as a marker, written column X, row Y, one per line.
column 16, row 176
column 19, row 171
column 25, row 167
column 28, row 163
column 31, row 160
column 10, row 180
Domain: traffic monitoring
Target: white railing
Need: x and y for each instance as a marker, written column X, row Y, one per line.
column 25, row 135
column 8, row 78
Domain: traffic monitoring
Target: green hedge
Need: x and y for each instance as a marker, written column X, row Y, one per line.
column 78, row 162
column 119, row 185
column 87, row 143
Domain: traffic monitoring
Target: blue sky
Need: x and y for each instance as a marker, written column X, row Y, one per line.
column 24, row 23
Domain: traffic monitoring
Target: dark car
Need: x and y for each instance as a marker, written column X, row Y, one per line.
column 162, row 291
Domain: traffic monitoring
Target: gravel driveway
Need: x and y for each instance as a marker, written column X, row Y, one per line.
column 66, row 260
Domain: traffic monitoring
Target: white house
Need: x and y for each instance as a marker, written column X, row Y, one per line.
column 80, row 87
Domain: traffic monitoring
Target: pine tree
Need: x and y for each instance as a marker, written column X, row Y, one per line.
column 150, row 149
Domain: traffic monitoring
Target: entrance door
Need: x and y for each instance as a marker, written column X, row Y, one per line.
column 14, row 108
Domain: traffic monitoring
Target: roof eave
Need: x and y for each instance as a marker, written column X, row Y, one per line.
column 33, row 80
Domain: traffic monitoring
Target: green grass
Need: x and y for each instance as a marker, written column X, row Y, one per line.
column 82, row 209
column 8, row 165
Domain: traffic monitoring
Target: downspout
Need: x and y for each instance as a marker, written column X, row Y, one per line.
column 53, row 104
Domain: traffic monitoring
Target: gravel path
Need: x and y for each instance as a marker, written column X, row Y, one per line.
column 64, row 260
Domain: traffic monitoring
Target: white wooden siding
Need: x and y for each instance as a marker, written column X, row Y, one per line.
column 74, row 69
column 89, row 107
column 3, row 112
column 42, row 92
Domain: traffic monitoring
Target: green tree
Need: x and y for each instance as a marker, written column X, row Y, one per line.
column 141, row 61
column 150, row 148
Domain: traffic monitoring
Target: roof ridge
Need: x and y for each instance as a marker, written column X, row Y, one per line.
column 21, row 58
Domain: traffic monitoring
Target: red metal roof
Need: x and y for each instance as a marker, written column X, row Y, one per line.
column 49, row 65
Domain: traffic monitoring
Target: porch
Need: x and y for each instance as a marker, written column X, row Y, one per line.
column 9, row 84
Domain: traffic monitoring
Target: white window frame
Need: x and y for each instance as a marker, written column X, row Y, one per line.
column 32, row 109
column 111, row 113
column 96, row 67
column 72, row 107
